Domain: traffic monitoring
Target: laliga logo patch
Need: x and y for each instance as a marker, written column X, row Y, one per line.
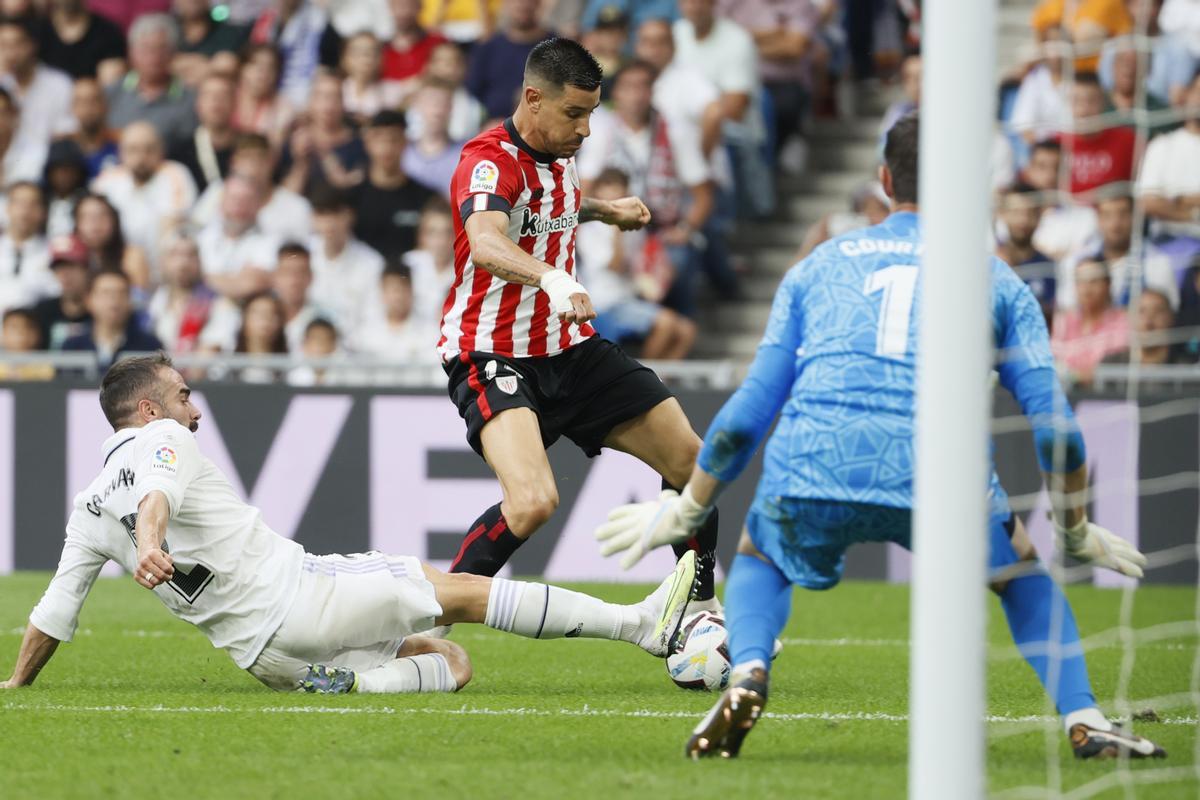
column 485, row 177
column 164, row 459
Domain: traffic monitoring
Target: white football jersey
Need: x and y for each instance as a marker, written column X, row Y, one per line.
column 235, row 578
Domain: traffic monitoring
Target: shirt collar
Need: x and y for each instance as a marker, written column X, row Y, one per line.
column 114, row 443
column 536, row 155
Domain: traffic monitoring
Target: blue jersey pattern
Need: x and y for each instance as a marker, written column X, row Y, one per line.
column 837, row 361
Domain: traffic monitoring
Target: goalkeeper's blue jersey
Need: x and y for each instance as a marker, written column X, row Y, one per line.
column 838, row 361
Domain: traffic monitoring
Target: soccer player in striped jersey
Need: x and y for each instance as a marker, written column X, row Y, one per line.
column 525, row 367
column 838, row 363
column 329, row 624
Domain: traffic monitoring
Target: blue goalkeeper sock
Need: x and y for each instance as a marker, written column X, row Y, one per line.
column 1031, row 602
column 758, row 598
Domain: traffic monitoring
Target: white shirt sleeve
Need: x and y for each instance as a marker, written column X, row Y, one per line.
column 57, row 613
column 1156, row 168
column 168, row 460
column 739, row 73
column 593, row 154
column 690, row 163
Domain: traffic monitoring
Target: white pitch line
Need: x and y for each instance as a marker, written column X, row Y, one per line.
column 468, row 711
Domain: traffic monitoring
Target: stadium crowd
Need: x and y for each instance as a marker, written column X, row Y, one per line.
column 271, row 176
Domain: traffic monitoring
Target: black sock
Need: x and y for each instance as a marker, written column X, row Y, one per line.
column 488, row 546
column 705, row 545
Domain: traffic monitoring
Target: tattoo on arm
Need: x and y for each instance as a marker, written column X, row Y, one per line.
column 590, row 210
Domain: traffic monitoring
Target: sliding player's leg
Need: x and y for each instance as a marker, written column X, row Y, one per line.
column 541, row 611
column 663, row 439
column 421, row 665
column 511, row 443
column 1043, row 628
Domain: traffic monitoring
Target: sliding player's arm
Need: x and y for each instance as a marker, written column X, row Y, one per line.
column 1026, row 370
column 487, row 187
column 732, row 440
column 168, row 461
column 56, row 615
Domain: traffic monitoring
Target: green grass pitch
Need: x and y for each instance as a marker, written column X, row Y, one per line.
column 141, row 703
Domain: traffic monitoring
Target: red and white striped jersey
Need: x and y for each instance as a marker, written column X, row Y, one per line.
column 498, row 171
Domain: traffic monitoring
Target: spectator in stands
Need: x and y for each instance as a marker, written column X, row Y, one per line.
column 234, row 252
column 397, row 334
column 1065, row 226
column 1020, row 211
column 66, row 316
column 21, row 158
column 43, row 93
column 1170, row 185
column 1082, row 337
column 98, row 226
column 24, row 254
column 430, row 158
column 387, row 204
column 1122, row 91
column 207, row 151
column 408, row 52
column 668, row 172
column 89, row 107
column 724, row 52
column 114, row 328
column 323, row 148
column 186, row 312
column 1096, row 157
column 285, row 215
column 65, row 180
column 151, row 194
column 292, row 283
column 869, row 205
column 609, row 261
column 785, row 35
column 1043, row 102
column 258, row 107
column 1180, row 20
column 363, row 92
column 638, row 11
column 201, row 36
column 261, row 333
column 448, row 65
column 81, row 43
column 432, row 262
column 1114, row 209
column 1189, row 308
column 497, row 64
column 320, row 341
column 910, row 84
column 19, row 334
column 300, row 31
column 1086, row 23
column 1152, row 342
column 345, row 271
column 608, row 42
column 149, row 92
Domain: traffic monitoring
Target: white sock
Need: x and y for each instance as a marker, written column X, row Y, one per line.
column 1092, row 717
column 548, row 612
column 427, row 672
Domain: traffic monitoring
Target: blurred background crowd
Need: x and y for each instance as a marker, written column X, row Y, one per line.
column 270, row 176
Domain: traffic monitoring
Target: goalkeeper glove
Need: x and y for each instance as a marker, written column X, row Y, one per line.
column 1093, row 544
column 638, row 528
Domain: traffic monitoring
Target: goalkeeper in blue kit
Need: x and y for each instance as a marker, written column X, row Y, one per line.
column 837, row 363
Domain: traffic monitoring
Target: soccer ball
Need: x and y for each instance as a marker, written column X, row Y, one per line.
column 698, row 656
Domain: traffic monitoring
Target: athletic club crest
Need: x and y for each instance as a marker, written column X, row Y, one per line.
column 507, row 384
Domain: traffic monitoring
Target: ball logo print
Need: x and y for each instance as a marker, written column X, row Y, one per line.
column 699, row 655
column 485, row 177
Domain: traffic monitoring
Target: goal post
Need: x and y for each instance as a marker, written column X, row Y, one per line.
column 948, row 613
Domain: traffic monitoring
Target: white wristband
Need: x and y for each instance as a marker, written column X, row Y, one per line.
column 691, row 512
column 560, row 286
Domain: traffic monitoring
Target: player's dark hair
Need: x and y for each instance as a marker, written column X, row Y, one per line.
column 127, row 382
column 900, row 152
column 563, row 62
